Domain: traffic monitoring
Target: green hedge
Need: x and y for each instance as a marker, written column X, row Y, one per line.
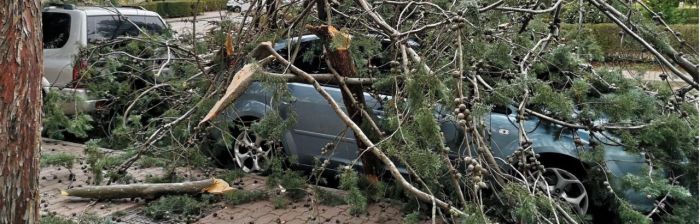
column 181, row 8
column 607, row 35
column 691, row 15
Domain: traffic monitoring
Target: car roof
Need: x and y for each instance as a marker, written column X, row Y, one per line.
column 305, row 38
column 105, row 10
column 312, row 37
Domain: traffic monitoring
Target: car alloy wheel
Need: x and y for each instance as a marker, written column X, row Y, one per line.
column 236, row 9
column 566, row 186
column 252, row 152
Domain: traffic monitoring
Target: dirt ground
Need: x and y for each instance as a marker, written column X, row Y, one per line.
column 54, row 179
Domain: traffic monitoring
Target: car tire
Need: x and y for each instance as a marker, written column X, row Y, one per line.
column 251, row 152
column 236, row 9
column 568, row 187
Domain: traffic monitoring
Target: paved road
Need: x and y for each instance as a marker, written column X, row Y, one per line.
column 205, row 21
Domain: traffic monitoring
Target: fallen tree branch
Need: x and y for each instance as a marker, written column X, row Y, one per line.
column 241, row 80
column 212, row 186
column 322, row 77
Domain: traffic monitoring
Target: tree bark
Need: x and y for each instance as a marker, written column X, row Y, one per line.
column 337, row 44
column 21, row 62
column 213, row 186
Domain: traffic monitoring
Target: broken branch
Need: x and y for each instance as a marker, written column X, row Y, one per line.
column 212, row 186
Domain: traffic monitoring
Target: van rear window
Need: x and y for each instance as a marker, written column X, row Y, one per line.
column 100, row 28
column 56, row 28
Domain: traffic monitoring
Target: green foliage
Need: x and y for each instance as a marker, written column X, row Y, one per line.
column 412, row 218
column 292, row 181
column 672, row 139
column 58, row 159
column 54, row 219
column 591, row 14
column 595, row 155
column 349, row 181
column 237, row 197
column 99, row 161
column 474, row 215
column 328, row 198
column 628, row 215
column 584, row 43
column 272, row 126
column 86, row 218
column 684, row 204
column 168, row 177
column 669, row 11
column 556, row 102
column 232, row 175
column 691, row 15
column 280, row 202
column 525, row 206
column 629, row 105
column 497, row 55
column 55, row 122
column 150, row 161
column 168, row 206
column 656, row 187
column 92, row 218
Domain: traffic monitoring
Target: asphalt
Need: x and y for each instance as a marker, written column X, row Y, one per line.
column 205, row 21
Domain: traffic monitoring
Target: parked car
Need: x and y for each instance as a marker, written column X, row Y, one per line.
column 238, row 5
column 244, row 5
column 317, row 125
column 67, row 29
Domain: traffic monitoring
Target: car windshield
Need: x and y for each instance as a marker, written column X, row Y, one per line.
column 56, row 28
column 100, row 28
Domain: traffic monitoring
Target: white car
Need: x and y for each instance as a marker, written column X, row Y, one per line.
column 68, row 28
column 238, row 5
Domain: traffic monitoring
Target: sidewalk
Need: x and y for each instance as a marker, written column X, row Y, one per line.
column 183, row 25
column 53, row 179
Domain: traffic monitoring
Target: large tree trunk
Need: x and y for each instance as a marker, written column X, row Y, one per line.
column 21, row 63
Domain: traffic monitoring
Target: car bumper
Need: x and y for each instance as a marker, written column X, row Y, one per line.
column 77, row 101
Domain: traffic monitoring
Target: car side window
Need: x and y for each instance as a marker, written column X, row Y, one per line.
column 100, row 28
column 56, row 28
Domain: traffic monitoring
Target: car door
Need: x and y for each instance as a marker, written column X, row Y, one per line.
column 317, row 124
column 62, row 41
column 504, row 131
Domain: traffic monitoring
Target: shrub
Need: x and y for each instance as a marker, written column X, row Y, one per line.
column 181, row 8
column 670, row 11
column 237, row 197
column 607, row 36
column 181, row 204
column 328, row 198
column 691, row 15
column 54, row 219
column 58, row 159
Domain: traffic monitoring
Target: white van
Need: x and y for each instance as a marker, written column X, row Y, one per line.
column 68, row 28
